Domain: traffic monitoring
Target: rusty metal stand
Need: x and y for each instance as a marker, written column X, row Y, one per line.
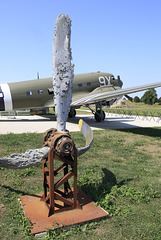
column 59, row 168
column 56, row 199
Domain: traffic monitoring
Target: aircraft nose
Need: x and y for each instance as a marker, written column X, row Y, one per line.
column 2, row 106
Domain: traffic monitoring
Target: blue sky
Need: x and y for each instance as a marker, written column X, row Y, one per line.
column 121, row 37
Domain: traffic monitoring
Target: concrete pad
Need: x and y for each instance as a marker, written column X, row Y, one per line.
column 39, row 124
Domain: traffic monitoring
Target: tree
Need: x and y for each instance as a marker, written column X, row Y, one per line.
column 136, row 99
column 159, row 100
column 149, row 97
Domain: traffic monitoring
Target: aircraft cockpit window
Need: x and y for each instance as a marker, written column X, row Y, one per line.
column 88, row 84
column 80, row 85
column 29, row 93
column 40, row 91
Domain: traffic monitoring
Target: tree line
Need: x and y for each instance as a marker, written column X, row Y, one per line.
column 149, row 97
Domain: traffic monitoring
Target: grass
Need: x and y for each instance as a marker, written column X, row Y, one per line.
column 121, row 173
column 138, row 109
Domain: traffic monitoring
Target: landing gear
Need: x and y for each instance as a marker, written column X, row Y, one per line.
column 72, row 113
column 99, row 115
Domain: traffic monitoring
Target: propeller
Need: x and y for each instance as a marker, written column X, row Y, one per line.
column 129, row 98
column 63, row 75
column 34, row 156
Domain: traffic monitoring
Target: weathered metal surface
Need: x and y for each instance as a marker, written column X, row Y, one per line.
column 24, row 160
column 37, row 212
column 63, row 70
column 61, row 147
column 62, row 141
column 86, row 130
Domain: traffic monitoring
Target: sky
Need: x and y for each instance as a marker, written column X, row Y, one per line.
column 119, row 37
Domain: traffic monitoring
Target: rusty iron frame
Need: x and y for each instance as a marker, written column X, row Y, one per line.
column 52, row 195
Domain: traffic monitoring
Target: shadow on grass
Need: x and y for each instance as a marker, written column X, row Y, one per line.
column 18, row 192
column 14, row 190
column 95, row 191
column 151, row 132
column 98, row 191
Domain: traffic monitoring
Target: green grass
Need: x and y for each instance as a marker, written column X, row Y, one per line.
column 121, row 173
column 138, row 109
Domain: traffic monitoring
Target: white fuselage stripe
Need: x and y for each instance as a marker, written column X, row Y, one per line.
column 7, row 97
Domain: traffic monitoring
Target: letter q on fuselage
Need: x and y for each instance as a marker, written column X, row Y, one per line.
column 5, row 98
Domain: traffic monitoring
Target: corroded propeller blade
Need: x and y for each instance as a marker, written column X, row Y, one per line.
column 63, row 70
column 34, row 156
column 24, row 160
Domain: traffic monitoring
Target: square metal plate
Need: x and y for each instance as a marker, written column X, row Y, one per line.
column 37, row 212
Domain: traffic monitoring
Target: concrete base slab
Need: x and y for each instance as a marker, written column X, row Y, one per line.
column 37, row 212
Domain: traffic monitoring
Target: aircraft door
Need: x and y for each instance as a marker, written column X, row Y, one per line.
column 2, row 106
column 5, row 98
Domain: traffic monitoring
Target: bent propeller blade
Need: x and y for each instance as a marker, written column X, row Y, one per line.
column 88, row 135
column 34, row 156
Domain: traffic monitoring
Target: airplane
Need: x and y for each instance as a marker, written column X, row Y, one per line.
column 96, row 88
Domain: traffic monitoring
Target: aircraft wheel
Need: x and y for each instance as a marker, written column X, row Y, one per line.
column 72, row 113
column 99, row 116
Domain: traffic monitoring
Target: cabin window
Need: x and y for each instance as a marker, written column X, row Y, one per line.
column 88, row 84
column 29, row 93
column 1, row 95
column 79, row 84
column 40, row 91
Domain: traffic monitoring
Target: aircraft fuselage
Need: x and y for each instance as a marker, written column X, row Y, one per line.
column 38, row 93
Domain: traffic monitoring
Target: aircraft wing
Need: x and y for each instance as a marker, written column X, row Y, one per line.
column 105, row 95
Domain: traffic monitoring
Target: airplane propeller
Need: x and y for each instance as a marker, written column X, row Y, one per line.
column 118, row 77
column 129, row 98
column 62, row 84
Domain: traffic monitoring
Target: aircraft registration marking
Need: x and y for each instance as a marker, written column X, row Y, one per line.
column 104, row 80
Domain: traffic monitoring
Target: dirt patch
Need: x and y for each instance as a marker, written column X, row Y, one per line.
column 151, row 149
